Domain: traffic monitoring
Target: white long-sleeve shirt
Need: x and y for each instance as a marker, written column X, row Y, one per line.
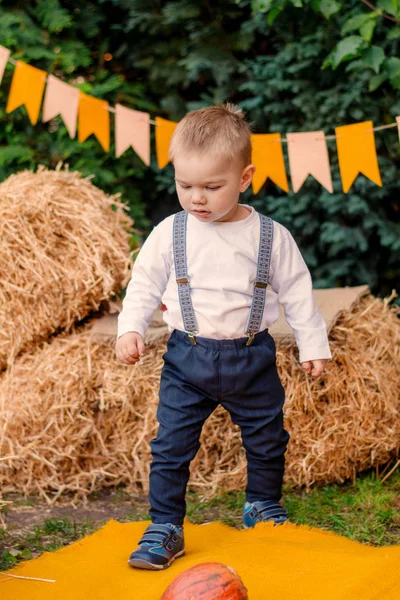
column 222, row 267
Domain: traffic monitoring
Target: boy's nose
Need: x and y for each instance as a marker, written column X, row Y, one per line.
column 198, row 197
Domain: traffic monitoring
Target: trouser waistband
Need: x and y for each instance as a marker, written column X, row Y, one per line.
column 220, row 344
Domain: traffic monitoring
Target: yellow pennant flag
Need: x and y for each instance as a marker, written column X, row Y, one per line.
column 27, row 88
column 268, row 159
column 164, row 131
column 357, row 153
column 94, row 117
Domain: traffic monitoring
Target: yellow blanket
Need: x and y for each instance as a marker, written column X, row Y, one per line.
column 275, row 563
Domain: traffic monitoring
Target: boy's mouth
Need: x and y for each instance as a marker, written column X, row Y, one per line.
column 201, row 213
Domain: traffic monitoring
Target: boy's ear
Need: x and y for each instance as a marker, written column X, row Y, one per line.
column 247, row 176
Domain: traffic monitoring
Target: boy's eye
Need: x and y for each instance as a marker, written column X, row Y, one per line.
column 187, row 187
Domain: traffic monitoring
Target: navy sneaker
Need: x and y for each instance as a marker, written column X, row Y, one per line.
column 160, row 545
column 263, row 511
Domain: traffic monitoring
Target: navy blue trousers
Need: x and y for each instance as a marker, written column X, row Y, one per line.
column 194, row 380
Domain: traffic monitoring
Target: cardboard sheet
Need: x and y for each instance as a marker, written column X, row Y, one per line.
column 331, row 302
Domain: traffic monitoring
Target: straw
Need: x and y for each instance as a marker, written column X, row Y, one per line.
column 75, row 420
column 64, row 249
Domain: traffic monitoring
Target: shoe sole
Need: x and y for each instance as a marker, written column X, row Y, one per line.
column 143, row 564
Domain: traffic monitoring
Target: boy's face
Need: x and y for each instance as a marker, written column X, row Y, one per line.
column 209, row 186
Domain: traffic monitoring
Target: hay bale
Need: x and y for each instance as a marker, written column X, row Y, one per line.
column 73, row 419
column 64, row 248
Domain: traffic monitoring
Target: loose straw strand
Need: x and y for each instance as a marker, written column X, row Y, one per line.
column 30, row 578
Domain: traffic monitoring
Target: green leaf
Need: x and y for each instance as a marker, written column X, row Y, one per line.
column 357, row 22
column 274, row 13
column 389, row 6
column 261, row 5
column 346, row 49
column 16, row 153
column 394, row 34
column 26, row 553
column 392, row 68
column 54, row 18
column 329, row 7
column 367, row 30
column 373, row 57
column 376, row 81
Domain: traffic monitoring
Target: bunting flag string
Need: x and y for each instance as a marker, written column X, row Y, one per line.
column 357, row 153
column 132, row 128
column 308, row 155
column 61, row 99
column 27, row 87
column 307, row 151
column 164, row 133
column 4, row 59
column 94, row 119
column 269, row 161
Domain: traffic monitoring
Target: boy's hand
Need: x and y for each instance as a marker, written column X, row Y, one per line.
column 130, row 348
column 314, row 367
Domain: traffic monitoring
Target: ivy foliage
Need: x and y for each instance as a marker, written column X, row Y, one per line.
column 369, row 33
column 169, row 57
column 70, row 41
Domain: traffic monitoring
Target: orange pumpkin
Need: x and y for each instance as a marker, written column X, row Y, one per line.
column 206, row 581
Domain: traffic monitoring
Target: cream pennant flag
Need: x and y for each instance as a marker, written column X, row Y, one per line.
column 398, row 125
column 308, row 155
column 267, row 157
column 132, row 128
column 164, row 132
column 61, row 99
column 4, row 56
column 357, row 153
column 27, row 88
column 94, row 117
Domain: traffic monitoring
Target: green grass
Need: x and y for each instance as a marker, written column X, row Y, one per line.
column 366, row 511
column 51, row 535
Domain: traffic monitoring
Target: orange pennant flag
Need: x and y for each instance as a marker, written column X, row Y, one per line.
column 268, row 159
column 164, row 131
column 27, row 88
column 4, row 56
column 357, row 153
column 94, row 117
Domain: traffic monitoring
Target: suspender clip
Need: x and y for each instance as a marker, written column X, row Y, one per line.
column 192, row 338
column 251, row 338
column 182, row 280
column 260, row 284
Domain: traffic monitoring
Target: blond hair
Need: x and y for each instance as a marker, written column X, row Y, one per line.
column 220, row 129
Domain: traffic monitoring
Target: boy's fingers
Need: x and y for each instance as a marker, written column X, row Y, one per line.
column 318, row 367
column 307, row 366
column 132, row 350
column 129, row 360
column 141, row 347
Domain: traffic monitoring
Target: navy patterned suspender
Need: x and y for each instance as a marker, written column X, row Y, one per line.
column 262, row 277
column 182, row 279
column 260, row 285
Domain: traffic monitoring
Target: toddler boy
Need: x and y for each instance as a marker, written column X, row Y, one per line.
column 210, row 265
